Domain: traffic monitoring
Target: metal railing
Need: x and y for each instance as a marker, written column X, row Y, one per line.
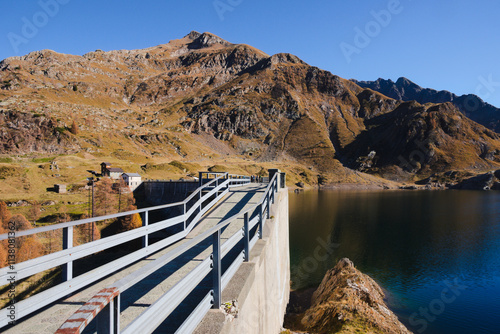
column 193, row 208
column 107, row 308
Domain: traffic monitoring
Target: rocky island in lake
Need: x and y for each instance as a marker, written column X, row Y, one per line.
column 346, row 301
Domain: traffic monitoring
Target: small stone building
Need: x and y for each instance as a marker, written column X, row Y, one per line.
column 60, row 188
column 113, row 173
column 104, row 168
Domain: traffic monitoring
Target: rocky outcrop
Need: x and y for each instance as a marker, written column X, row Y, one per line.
column 479, row 182
column 347, row 301
column 24, row 133
column 463, row 180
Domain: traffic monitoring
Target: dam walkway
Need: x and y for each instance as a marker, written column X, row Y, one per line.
column 188, row 253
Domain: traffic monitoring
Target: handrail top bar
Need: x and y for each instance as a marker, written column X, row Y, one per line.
column 224, row 173
column 207, row 172
column 116, row 215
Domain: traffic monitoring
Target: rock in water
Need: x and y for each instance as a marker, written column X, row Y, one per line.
column 348, row 301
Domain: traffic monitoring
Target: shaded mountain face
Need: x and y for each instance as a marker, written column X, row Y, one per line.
column 470, row 105
column 203, row 96
column 422, row 139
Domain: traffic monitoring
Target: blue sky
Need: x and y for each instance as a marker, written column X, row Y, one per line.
column 452, row 45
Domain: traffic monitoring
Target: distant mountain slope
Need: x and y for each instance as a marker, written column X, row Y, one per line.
column 471, row 105
column 422, row 139
column 201, row 97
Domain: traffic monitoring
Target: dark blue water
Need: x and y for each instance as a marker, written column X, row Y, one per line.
column 436, row 253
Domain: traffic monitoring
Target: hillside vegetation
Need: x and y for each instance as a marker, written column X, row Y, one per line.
column 200, row 101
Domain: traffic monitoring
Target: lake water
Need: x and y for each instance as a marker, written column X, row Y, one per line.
column 436, row 253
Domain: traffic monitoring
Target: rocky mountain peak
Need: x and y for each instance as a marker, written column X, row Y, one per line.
column 193, row 35
column 281, row 58
column 402, row 81
column 206, row 40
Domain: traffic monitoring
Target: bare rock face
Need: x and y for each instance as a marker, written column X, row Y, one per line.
column 348, row 301
column 23, row 133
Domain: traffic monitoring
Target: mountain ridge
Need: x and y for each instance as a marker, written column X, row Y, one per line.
column 406, row 90
column 200, row 97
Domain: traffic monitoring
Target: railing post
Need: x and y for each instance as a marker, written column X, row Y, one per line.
column 268, row 213
column 67, row 269
column 272, row 192
column 216, row 186
column 185, row 218
column 246, row 237
column 145, row 222
column 261, row 222
column 108, row 320
column 200, row 179
column 216, row 269
column 201, row 203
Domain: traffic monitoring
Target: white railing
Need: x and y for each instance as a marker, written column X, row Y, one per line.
column 193, row 208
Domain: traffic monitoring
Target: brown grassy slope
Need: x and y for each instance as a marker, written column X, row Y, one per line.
column 160, row 104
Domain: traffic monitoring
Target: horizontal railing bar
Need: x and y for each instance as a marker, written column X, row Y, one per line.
column 191, row 322
column 97, row 219
column 211, row 192
column 253, row 222
column 154, row 315
column 190, row 197
column 214, row 201
column 231, row 242
column 46, row 297
column 33, row 266
column 192, row 210
column 85, row 221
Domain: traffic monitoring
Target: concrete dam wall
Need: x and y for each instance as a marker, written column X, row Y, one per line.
column 164, row 192
column 260, row 287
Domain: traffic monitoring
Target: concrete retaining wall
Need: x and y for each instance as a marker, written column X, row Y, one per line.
column 261, row 286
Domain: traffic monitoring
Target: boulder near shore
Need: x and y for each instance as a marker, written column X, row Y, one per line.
column 347, row 301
